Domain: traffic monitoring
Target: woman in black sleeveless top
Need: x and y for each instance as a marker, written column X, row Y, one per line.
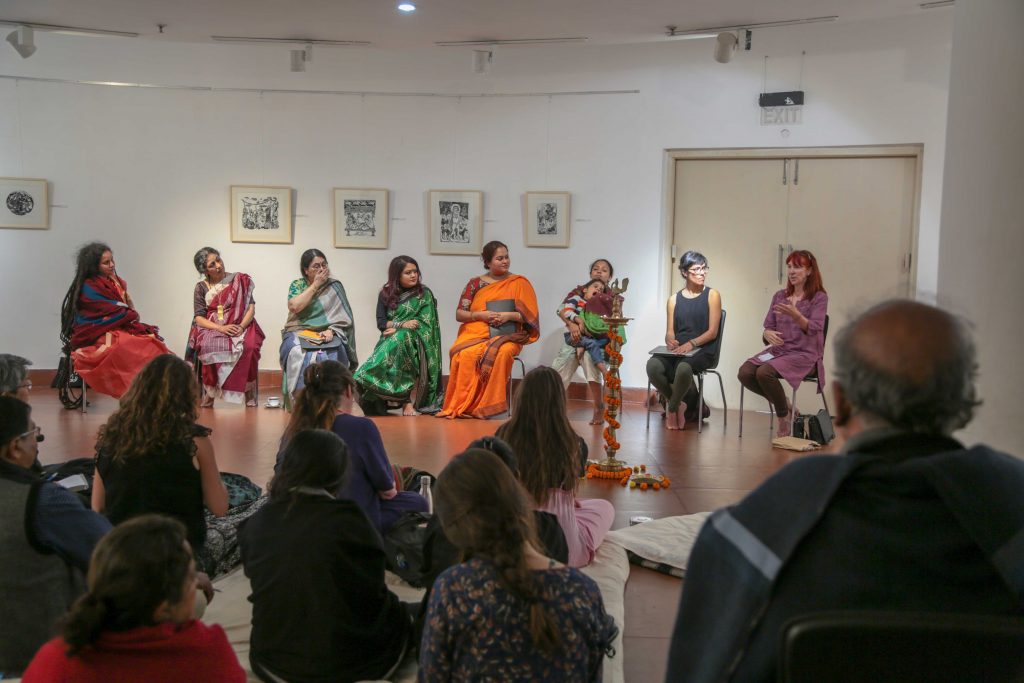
column 694, row 313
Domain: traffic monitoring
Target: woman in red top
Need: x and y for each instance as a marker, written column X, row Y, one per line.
column 135, row 621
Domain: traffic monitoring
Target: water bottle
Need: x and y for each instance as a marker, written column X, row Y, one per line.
column 426, row 493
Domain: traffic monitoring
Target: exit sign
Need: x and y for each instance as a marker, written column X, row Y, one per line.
column 782, row 116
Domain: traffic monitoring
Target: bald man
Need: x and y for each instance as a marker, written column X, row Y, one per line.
column 903, row 518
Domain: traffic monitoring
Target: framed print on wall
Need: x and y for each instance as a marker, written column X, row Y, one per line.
column 456, row 221
column 360, row 218
column 546, row 219
column 24, row 204
column 261, row 213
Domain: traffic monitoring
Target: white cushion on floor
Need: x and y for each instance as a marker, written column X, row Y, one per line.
column 668, row 540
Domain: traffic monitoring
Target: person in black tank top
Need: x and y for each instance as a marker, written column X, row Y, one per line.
column 691, row 335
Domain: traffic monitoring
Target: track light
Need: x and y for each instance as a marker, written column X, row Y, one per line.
column 725, row 46
column 22, row 40
column 482, row 60
column 300, row 57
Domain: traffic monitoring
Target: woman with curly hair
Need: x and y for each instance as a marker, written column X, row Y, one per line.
column 507, row 613
column 136, row 622
column 152, row 456
column 100, row 328
column 551, row 460
column 326, row 402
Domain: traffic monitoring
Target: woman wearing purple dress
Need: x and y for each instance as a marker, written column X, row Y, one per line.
column 795, row 332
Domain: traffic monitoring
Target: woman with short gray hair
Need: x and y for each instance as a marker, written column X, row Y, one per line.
column 14, row 376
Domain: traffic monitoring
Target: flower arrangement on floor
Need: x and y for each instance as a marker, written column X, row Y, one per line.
column 636, row 477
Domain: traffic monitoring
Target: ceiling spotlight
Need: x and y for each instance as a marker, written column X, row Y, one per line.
column 300, row 57
column 21, row 39
column 482, row 60
column 406, row 7
column 725, row 46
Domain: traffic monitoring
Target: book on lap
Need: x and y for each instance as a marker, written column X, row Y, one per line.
column 503, row 306
column 664, row 351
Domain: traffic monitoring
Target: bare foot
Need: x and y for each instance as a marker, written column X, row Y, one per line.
column 671, row 419
column 207, row 402
column 784, row 427
column 598, row 417
column 681, row 416
column 408, row 410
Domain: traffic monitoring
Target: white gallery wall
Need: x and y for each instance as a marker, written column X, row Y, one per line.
column 983, row 209
column 148, row 170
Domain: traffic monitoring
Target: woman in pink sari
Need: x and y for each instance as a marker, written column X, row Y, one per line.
column 225, row 337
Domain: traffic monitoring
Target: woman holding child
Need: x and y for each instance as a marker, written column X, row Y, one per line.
column 498, row 312
column 569, row 356
column 691, row 336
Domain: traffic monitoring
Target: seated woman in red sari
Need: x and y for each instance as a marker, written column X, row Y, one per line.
column 225, row 337
column 100, row 327
column 498, row 312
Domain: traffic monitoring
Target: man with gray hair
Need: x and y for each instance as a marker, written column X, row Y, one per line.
column 903, row 518
column 14, row 376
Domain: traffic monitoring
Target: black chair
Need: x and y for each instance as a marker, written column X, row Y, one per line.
column 898, row 647
column 522, row 376
column 812, row 376
column 700, row 383
column 72, row 389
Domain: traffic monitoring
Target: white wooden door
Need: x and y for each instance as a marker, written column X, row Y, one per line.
column 734, row 212
column 856, row 216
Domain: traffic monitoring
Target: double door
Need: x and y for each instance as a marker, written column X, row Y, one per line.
column 856, row 214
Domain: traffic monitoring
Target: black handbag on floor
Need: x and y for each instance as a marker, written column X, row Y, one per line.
column 817, row 427
column 405, row 545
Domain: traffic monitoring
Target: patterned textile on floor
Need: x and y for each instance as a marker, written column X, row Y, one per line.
column 662, row 544
column 220, row 553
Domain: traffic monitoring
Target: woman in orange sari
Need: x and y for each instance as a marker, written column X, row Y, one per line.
column 498, row 312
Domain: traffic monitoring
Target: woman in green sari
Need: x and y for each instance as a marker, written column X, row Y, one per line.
column 405, row 366
column 320, row 325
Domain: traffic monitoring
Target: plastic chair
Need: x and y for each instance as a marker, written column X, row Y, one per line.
column 922, row 647
column 700, row 383
column 522, row 376
column 811, row 376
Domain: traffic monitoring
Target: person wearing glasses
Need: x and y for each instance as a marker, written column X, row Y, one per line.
column 14, row 379
column 46, row 538
column 320, row 324
column 691, row 337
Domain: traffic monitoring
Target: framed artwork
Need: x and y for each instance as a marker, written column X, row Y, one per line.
column 261, row 213
column 24, row 204
column 360, row 218
column 546, row 219
column 456, row 221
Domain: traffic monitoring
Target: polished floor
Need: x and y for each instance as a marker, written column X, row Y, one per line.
column 707, row 470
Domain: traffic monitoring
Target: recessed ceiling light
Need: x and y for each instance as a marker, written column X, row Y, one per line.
column 407, row 7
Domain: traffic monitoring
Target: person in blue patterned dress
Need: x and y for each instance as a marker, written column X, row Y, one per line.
column 508, row 613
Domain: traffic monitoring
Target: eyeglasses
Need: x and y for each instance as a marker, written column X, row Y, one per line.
column 37, row 430
column 699, row 270
column 26, row 385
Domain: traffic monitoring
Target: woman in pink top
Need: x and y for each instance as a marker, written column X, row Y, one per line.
column 794, row 330
column 552, row 457
column 135, row 621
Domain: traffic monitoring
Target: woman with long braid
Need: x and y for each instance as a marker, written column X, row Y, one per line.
column 550, row 617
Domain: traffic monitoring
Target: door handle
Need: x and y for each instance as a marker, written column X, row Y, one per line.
column 796, row 171
column 785, row 170
column 781, row 250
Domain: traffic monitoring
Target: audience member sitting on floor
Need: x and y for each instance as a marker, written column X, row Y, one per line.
column 135, row 622
column 551, row 458
column 321, row 610
column 14, row 379
column 152, row 456
column 46, row 538
column 439, row 553
column 509, row 613
column 325, row 402
column 905, row 518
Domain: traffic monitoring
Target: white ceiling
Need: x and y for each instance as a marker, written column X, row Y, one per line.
column 378, row 22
